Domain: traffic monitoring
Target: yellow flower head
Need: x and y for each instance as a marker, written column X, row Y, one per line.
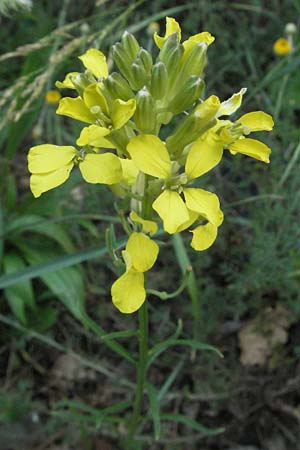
column 52, row 97
column 120, row 144
column 282, row 47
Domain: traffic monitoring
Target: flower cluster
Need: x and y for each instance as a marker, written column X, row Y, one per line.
column 125, row 111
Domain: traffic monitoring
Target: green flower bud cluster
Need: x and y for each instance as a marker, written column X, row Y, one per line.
column 163, row 88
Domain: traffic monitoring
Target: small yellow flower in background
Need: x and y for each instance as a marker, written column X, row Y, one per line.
column 282, row 47
column 152, row 28
column 52, row 97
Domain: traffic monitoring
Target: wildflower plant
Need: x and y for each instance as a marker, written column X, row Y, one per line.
column 126, row 111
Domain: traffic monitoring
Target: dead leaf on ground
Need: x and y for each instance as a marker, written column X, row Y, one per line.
column 260, row 336
column 67, row 369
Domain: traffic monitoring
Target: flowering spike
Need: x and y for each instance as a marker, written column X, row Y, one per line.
column 121, row 145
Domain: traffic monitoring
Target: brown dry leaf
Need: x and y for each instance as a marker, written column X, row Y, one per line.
column 259, row 336
column 67, row 369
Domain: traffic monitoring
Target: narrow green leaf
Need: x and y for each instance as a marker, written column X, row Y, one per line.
column 53, row 264
column 192, row 424
column 195, row 345
column 1, row 231
column 21, row 294
column 66, row 284
column 119, row 335
column 170, row 380
column 154, row 409
column 38, row 224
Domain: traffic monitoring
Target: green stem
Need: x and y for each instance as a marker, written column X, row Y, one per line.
column 141, row 372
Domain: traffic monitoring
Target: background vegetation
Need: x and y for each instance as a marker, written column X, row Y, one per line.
column 57, row 376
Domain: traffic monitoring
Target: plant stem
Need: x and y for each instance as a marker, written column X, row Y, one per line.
column 141, row 371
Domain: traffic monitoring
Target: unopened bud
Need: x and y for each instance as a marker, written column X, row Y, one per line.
column 81, row 81
column 172, row 61
column 145, row 114
column 138, row 75
column 130, row 45
column 146, row 59
column 118, row 87
column 122, row 60
column 159, row 80
column 291, row 28
column 168, row 46
column 187, row 95
column 194, row 63
column 194, row 125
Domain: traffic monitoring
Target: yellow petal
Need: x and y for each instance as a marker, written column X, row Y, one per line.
column 193, row 217
column 232, row 104
column 95, row 61
column 122, row 112
column 150, row 155
column 130, row 171
column 204, row 236
column 67, row 83
column 190, row 43
column 172, row 210
column 148, row 226
column 257, row 121
column 42, row 182
column 45, row 158
column 93, row 96
column 143, row 251
column 75, row 108
column 101, row 168
column 94, row 135
column 205, row 203
column 171, row 27
column 204, row 155
column 251, row 147
column 128, row 292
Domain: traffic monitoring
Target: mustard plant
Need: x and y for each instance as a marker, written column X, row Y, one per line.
column 127, row 110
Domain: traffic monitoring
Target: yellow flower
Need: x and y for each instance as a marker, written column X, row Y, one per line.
column 51, row 165
column 282, row 47
column 128, row 291
column 94, row 61
column 93, row 108
column 178, row 206
column 232, row 135
column 52, row 97
column 172, row 26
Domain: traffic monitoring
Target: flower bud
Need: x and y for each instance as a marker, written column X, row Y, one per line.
column 145, row 114
column 146, row 59
column 194, row 125
column 159, row 80
column 138, row 75
column 170, row 43
column 118, row 87
column 81, row 81
column 291, row 28
column 194, row 63
column 187, row 95
column 173, row 61
column 130, row 45
column 122, row 60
